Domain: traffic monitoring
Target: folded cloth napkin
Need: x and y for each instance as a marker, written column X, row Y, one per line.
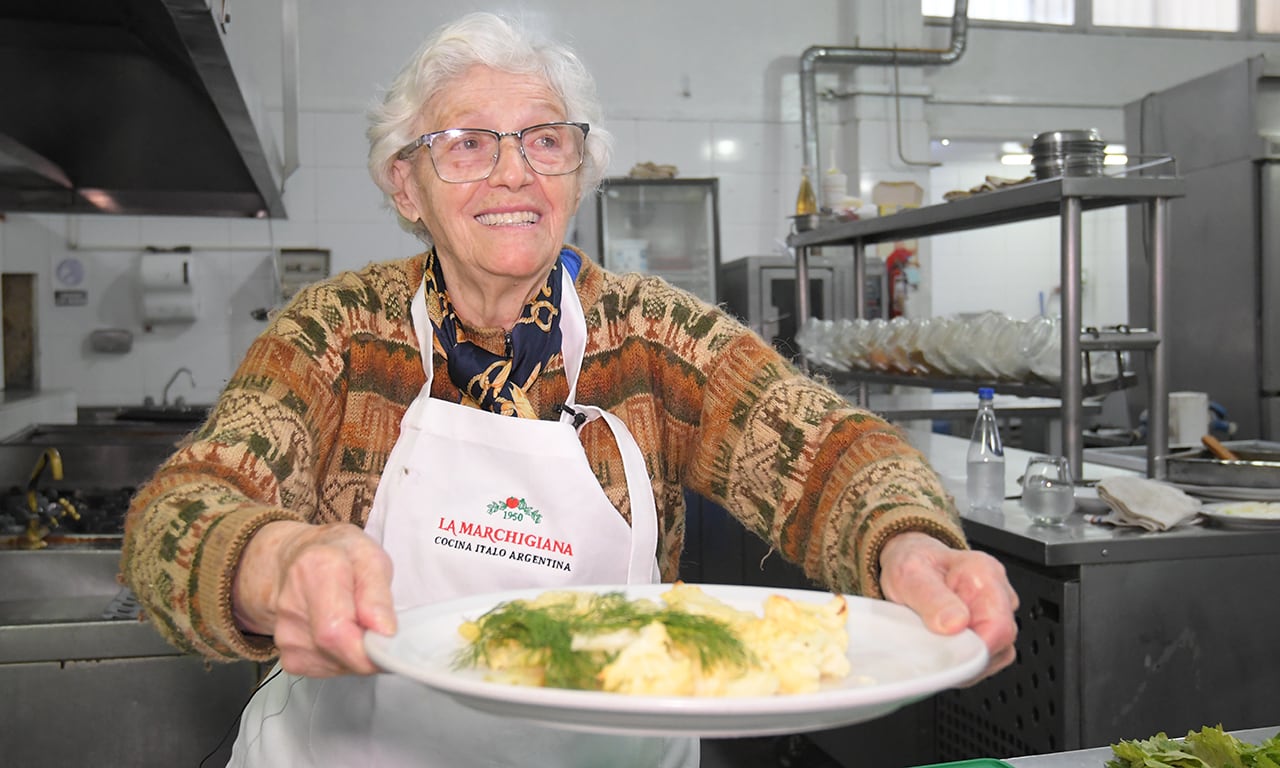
column 1143, row 503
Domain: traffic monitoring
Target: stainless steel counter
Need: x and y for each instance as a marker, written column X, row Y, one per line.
column 85, row 683
column 900, row 406
column 1122, row 633
column 1081, row 542
column 1098, row 757
column 86, row 639
column 1011, row 532
column 85, row 688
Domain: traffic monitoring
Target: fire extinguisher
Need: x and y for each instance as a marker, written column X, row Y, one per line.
column 899, row 272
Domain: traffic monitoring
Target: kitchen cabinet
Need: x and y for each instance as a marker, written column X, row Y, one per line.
column 1067, row 198
column 1121, row 637
column 665, row 227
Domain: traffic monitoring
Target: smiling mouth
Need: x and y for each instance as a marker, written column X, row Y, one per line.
column 517, row 218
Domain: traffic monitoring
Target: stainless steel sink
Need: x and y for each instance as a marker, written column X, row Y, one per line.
column 59, row 585
column 109, row 455
column 62, row 604
column 190, row 415
column 60, row 435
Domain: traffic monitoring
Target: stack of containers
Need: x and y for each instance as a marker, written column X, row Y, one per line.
column 1067, row 153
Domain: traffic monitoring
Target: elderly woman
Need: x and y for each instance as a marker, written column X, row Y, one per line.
column 383, row 410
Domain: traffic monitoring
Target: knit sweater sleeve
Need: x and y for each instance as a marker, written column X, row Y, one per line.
column 824, row 483
column 283, row 442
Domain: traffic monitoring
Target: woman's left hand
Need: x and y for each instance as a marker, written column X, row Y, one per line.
column 952, row 590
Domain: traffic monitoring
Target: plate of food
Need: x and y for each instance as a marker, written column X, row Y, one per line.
column 1244, row 515
column 678, row 659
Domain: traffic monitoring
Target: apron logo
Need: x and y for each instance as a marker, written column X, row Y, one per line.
column 514, row 509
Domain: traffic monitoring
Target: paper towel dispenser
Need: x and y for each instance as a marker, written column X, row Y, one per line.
column 167, row 283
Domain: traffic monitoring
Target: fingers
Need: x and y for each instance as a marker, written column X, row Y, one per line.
column 332, row 583
column 980, row 581
column 952, row 590
column 911, row 574
column 995, row 662
column 913, row 567
column 319, row 632
column 374, row 607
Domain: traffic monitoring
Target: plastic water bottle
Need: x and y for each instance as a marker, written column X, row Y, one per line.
column 985, row 470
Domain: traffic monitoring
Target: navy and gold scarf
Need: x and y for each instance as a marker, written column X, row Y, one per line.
column 498, row 382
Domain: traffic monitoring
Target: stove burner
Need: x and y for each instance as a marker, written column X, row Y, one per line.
column 102, row 510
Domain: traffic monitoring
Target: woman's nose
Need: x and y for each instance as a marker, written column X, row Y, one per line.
column 511, row 170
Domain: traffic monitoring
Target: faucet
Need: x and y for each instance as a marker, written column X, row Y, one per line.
column 39, row 507
column 164, row 398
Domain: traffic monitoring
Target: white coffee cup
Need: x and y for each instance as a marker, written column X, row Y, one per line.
column 1188, row 418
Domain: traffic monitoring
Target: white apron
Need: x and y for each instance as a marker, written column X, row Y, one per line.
column 473, row 502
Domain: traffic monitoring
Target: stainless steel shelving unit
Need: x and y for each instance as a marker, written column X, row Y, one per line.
column 1067, row 198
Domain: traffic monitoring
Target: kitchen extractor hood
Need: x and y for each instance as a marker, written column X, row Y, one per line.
column 127, row 106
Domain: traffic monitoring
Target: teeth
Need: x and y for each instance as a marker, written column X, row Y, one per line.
column 497, row 219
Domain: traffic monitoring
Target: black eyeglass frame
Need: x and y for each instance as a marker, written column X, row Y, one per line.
column 426, row 139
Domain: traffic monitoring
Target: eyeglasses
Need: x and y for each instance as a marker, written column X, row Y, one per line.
column 461, row 155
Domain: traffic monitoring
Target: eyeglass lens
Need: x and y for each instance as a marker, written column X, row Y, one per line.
column 471, row 155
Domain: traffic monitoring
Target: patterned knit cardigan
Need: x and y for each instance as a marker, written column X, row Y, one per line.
column 305, row 425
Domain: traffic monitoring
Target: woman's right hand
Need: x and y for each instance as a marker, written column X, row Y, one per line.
column 315, row 589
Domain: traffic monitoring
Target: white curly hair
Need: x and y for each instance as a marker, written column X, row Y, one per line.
column 501, row 43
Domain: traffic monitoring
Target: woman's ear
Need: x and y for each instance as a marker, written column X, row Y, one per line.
column 404, row 199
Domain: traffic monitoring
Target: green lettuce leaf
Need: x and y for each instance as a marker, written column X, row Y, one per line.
column 1210, row 747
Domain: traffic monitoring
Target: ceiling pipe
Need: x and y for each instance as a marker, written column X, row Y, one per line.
column 289, row 78
column 858, row 56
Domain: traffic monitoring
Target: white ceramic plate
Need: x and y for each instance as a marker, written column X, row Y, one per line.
column 1247, row 515
column 1229, row 492
column 895, row 661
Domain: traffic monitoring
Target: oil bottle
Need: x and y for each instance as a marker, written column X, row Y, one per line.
column 806, row 200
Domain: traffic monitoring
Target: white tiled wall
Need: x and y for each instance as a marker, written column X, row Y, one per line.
column 1015, row 267
column 711, row 87
column 228, row 284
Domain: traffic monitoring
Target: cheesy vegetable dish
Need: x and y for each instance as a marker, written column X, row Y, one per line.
column 689, row 644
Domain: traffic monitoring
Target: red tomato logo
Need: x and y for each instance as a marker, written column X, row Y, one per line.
column 513, row 502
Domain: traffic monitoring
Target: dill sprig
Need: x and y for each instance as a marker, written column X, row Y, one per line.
column 546, row 632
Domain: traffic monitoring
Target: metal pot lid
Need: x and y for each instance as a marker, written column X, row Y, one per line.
column 1085, row 135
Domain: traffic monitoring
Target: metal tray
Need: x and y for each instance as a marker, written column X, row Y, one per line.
column 1258, row 467
column 980, row 762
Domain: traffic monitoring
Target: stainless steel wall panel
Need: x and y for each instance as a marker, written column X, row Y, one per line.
column 1269, row 283
column 163, row 711
column 1224, row 262
column 1175, row 645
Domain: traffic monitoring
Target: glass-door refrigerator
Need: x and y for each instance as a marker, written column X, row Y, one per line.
column 666, row 227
